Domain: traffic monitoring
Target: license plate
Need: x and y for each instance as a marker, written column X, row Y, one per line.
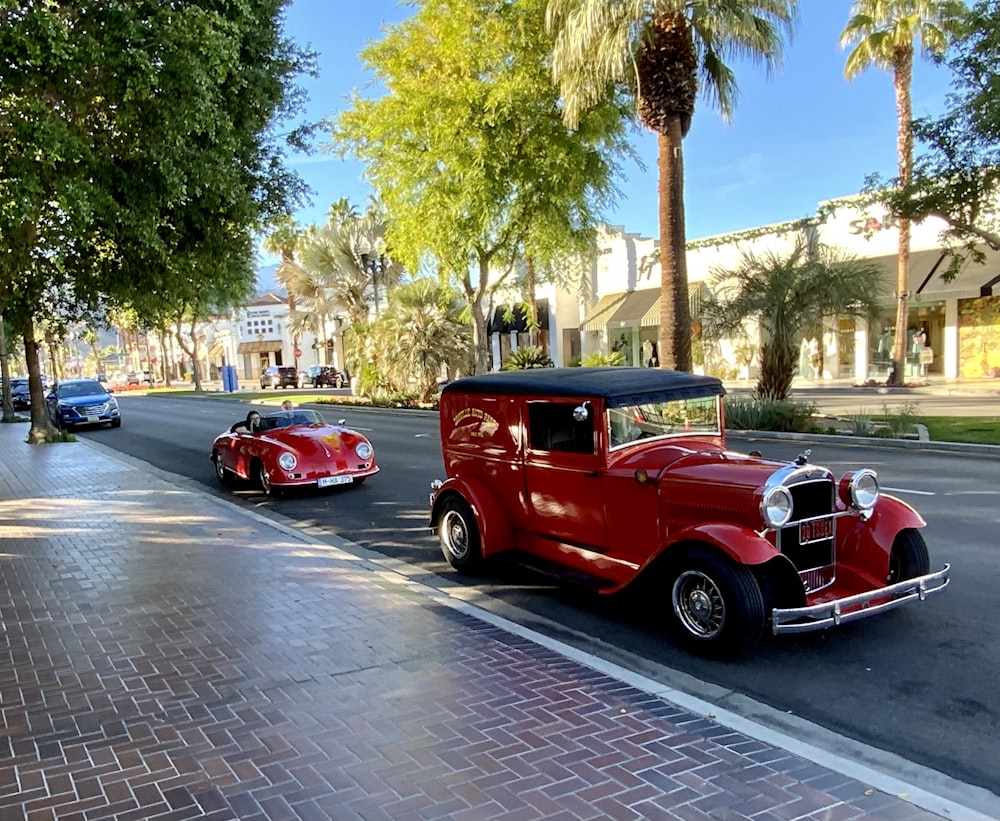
column 93, row 418
column 815, row 531
column 327, row 481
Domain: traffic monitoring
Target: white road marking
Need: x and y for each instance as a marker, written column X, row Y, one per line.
column 908, row 490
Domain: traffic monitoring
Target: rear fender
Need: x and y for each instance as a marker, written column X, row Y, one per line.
column 495, row 534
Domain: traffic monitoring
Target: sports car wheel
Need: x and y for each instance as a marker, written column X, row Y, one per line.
column 717, row 606
column 909, row 557
column 459, row 536
column 263, row 479
column 223, row 475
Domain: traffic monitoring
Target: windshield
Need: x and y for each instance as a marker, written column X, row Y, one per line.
column 286, row 419
column 80, row 389
column 676, row 417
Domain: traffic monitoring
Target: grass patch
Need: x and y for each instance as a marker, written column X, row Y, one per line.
column 978, row 430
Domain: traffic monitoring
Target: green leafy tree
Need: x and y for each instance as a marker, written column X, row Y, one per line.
column 282, row 237
column 139, row 148
column 786, row 294
column 664, row 51
column 956, row 177
column 882, row 33
column 467, row 148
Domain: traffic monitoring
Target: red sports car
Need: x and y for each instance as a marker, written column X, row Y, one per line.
column 294, row 448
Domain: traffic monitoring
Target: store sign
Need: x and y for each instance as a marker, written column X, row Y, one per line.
column 867, row 227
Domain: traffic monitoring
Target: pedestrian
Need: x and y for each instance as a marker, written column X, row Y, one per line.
column 287, row 405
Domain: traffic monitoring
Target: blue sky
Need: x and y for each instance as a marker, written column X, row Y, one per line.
column 797, row 138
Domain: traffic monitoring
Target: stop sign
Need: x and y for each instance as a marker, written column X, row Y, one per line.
column 298, row 352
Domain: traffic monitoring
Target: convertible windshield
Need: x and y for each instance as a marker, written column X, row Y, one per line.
column 676, row 417
column 286, row 419
column 80, row 389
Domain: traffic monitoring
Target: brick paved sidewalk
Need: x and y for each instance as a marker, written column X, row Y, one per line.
column 166, row 655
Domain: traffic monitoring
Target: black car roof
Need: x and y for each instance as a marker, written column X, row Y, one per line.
column 616, row 385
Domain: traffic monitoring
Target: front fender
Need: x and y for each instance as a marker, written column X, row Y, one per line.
column 494, row 532
column 866, row 543
column 740, row 544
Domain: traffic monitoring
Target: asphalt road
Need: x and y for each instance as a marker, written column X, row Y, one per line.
column 919, row 682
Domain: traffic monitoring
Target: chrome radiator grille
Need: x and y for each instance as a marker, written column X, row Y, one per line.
column 808, row 539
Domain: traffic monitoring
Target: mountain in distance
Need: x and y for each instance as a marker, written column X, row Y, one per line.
column 267, row 281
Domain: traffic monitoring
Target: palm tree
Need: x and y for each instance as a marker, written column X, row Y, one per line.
column 425, row 334
column 283, row 237
column 882, row 33
column 663, row 50
column 785, row 296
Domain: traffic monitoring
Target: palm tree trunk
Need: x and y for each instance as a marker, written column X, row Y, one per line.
column 903, row 66
column 530, row 311
column 675, row 321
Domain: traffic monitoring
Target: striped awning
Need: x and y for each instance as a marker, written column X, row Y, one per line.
column 596, row 319
column 633, row 308
column 697, row 291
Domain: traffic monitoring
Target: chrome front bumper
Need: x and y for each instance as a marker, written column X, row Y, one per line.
column 852, row 608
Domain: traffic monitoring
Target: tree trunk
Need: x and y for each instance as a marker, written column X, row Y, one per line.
column 8, row 404
column 675, row 319
column 41, row 428
column 903, row 65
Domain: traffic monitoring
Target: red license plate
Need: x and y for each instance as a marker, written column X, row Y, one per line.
column 815, row 531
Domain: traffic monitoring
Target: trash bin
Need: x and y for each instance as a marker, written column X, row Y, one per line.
column 229, row 379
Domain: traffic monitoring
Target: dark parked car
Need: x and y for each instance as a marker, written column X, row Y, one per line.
column 19, row 395
column 76, row 402
column 279, row 376
column 321, row 376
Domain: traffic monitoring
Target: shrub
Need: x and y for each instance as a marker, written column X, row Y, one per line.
column 901, row 420
column 599, row 359
column 861, row 423
column 525, row 358
column 769, row 414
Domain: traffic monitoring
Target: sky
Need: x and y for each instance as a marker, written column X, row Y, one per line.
column 798, row 137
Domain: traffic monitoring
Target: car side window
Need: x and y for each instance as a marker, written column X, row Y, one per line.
column 551, row 426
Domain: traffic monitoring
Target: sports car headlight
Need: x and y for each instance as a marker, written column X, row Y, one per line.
column 286, row 461
column 860, row 489
column 776, row 506
column 363, row 451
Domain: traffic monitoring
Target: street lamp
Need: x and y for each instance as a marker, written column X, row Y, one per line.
column 373, row 265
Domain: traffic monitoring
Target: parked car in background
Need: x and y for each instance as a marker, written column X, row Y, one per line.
column 140, row 378
column 279, row 376
column 603, row 476
column 321, row 376
column 76, row 402
column 293, row 449
column 19, row 394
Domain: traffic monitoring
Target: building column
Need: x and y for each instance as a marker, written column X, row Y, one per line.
column 951, row 351
column 861, row 349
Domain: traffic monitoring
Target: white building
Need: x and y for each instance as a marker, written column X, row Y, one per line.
column 954, row 327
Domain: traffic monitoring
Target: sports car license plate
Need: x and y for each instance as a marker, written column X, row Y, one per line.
column 327, row 481
column 815, row 531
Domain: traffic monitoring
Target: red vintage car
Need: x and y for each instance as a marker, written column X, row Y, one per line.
column 603, row 476
column 290, row 449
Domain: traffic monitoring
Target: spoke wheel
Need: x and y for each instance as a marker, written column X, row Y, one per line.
column 459, row 536
column 717, row 607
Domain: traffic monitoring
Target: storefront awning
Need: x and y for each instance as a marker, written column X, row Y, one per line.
column 596, row 318
column 973, row 279
column 513, row 320
column 258, row 347
column 697, row 292
column 633, row 308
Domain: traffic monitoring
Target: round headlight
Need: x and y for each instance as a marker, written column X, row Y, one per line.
column 864, row 489
column 286, row 461
column 776, row 506
column 363, row 450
